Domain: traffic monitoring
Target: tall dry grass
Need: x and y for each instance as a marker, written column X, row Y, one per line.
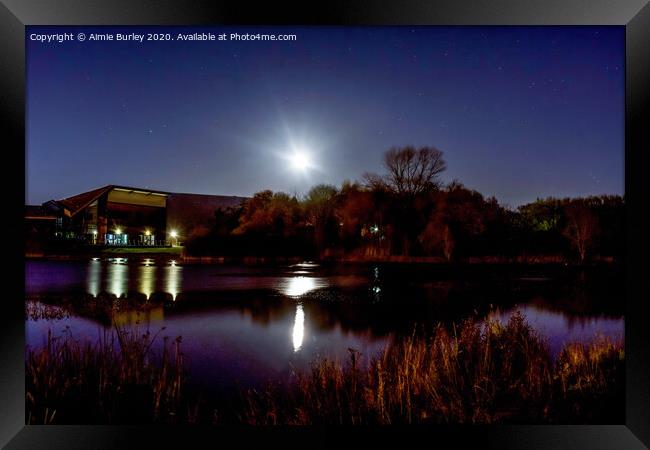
column 476, row 373
column 117, row 379
column 472, row 373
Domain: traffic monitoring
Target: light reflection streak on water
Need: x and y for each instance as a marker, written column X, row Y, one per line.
column 118, row 278
column 93, row 280
column 306, row 264
column 174, row 277
column 297, row 286
column 298, row 328
column 147, row 278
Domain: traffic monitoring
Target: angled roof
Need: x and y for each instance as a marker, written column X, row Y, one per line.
column 137, row 189
column 78, row 202
column 39, row 212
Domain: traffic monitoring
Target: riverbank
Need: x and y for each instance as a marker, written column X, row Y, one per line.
column 180, row 257
column 479, row 374
column 144, row 252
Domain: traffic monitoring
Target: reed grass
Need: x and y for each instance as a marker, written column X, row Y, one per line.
column 477, row 373
column 117, row 379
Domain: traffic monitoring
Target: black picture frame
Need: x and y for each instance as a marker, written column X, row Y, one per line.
column 634, row 15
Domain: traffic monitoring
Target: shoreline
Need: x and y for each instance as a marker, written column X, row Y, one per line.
column 554, row 260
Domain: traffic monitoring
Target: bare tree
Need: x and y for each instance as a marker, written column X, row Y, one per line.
column 410, row 171
column 582, row 228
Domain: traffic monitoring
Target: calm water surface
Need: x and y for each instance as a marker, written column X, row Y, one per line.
column 250, row 324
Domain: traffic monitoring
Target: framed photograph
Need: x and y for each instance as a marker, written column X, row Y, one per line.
column 361, row 221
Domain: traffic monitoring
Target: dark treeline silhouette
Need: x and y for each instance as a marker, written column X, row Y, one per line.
column 408, row 211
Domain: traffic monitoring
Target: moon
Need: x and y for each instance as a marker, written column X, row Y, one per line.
column 300, row 161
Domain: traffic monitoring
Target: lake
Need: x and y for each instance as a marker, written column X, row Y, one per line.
column 249, row 324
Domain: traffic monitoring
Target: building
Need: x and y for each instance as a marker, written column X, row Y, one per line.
column 126, row 216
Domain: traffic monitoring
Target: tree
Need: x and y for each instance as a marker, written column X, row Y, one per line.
column 272, row 214
column 582, row 227
column 437, row 236
column 411, row 171
column 543, row 214
column 226, row 220
column 319, row 207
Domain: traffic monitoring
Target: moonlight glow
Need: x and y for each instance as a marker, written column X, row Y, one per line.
column 297, row 286
column 300, row 161
column 298, row 328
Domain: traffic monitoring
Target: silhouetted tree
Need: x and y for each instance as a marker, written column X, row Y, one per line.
column 226, row 220
column 319, row 205
column 411, row 171
column 273, row 214
column 582, row 227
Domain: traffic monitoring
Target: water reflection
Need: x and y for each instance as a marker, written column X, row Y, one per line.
column 118, row 260
column 118, row 279
column 147, row 317
column 298, row 328
column 297, row 286
column 147, row 277
column 306, row 264
column 93, row 280
column 236, row 320
column 559, row 329
column 376, row 282
column 173, row 278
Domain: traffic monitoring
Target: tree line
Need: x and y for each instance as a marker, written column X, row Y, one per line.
column 409, row 211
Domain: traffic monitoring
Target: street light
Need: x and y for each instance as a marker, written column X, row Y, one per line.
column 174, row 235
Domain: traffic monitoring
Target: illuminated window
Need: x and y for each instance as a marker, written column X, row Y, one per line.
column 117, row 239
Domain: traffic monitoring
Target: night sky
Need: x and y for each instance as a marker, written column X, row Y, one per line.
column 519, row 112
